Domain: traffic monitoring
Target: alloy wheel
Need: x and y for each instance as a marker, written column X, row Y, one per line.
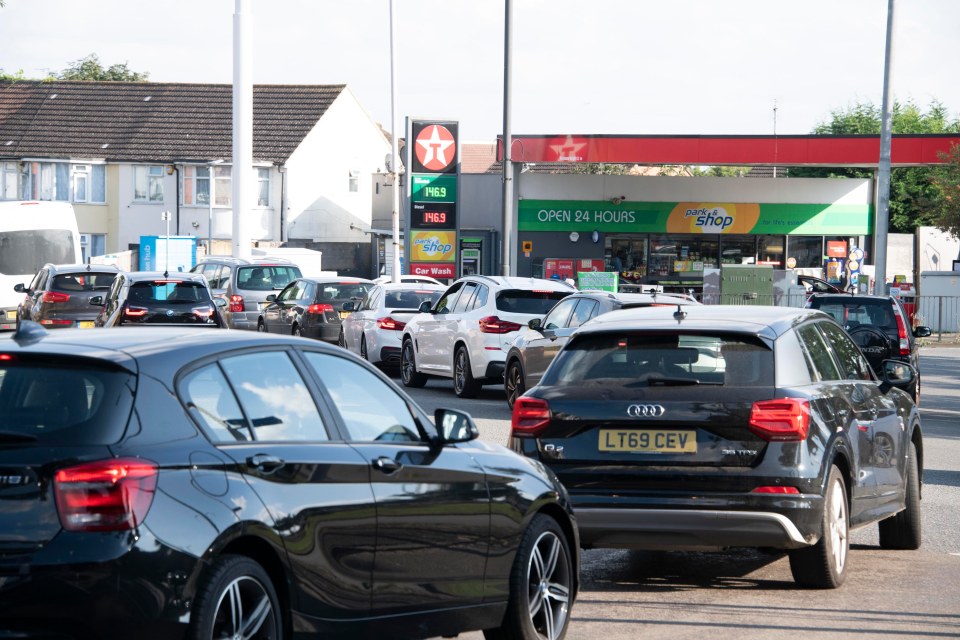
column 549, row 584
column 838, row 526
column 244, row 611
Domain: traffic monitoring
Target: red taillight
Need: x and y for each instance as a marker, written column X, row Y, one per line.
column 902, row 332
column 203, row 312
column 785, row 420
column 236, row 304
column 135, row 312
column 319, row 308
column 109, row 495
column 55, row 322
column 6, row 357
column 493, row 324
column 389, row 324
column 790, row 490
column 530, row 417
column 55, row 296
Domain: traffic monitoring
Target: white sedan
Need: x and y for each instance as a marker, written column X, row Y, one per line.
column 375, row 327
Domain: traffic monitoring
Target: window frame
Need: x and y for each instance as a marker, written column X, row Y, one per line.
column 153, row 176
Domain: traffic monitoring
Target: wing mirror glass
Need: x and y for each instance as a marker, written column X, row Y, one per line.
column 455, row 425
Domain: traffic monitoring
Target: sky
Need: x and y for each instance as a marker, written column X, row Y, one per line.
column 578, row 67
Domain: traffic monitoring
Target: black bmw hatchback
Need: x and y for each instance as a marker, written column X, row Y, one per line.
column 170, row 483
column 701, row 428
column 153, row 298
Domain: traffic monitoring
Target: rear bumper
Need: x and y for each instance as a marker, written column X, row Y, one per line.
column 682, row 529
column 390, row 357
column 8, row 318
column 243, row 320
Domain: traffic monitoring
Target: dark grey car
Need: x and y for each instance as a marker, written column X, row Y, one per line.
column 312, row 307
column 59, row 296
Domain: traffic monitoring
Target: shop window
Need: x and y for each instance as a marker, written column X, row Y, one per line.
column 770, row 250
column 806, row 250
column 739, row 249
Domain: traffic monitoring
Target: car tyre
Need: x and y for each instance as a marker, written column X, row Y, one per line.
column 513, row 382
column 363, row 347
column 824, row 565
column 236, row 600
column 261, row 327
column 408, row 367
column 297, row 331
column 541, row 586
column 464, row 384
column 342, row 340
column 903, row 531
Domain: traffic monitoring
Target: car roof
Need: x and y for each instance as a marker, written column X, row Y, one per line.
column 181, row 276
column 412, row 286
column 78, row 268
column 124, row 345
column 262, row 261
column 335, row 280
column 770, row 322
column 849, row 298
column 516, row 282
column 628, row 298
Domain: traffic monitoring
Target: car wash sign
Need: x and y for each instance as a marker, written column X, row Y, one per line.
column 433, row 155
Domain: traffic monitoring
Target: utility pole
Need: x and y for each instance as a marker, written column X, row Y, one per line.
column 241, row 172
column 394, row 158
column 507, row 239
column 883, row 171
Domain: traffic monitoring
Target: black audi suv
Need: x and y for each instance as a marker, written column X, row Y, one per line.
column 168, row 483
column 702, row 427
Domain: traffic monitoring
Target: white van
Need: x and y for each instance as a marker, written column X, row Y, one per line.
column 31, row 235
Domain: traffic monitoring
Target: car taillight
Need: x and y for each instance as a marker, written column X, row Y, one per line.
column 55, row 322
column 530, row 417
column 902, row 332
column 493, row 324
column 55, row 296
column 203, row 312
column 108, row 495
column 389, row 324
column 784, row 490
column 135, row 312
column 236, row 304
column 319, row 308
column 785, row 420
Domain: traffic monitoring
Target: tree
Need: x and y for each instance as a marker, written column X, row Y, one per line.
column 912, row 194
column 89, row 68
column 946, row 186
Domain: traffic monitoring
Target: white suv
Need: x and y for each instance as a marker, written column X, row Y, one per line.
column 467, row 333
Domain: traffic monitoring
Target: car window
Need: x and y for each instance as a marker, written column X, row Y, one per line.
column 537, row 303
column 169, row 291
column 223, row 279
column 67, row 403
column 84, row 281
column 266, row 277
column 855, row 366
column 371, row 410
column 210, row 401
column 294, row 291
column 446, row 302
column 37, row 279
column 210, row 273
column 409, row 299
column 466, row 297
column 275, row 399
column 818, row 353
column 585, row 310
column 558, row 316
column 480, row 299
column 344, row 290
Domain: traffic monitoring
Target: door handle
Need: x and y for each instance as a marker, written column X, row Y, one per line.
column 265, row 462
column 386, row 465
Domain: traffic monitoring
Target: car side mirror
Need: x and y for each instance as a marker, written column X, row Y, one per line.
column 535, row 324
column 19, row 288
column 220, row 302
column 97, row 301
column 425, row 307
column 922, row 332
column 897, row 373
column 455, row 425
column 271, row 298
column 349, row 306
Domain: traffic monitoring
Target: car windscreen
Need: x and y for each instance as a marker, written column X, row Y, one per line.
column 853, row 313
column 409, row 299
column 266, row 277
column 59, row 401
column 635, row 359
column 536, row 303
column 84, row 281
column 167, row 291
column 343, row 290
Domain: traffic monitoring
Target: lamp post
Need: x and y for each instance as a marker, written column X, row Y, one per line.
column 210, row 169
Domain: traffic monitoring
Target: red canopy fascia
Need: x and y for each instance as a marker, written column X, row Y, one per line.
column 794, row 151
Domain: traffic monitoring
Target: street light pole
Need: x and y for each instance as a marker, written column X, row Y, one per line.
column 883, row 169
column 507, row 238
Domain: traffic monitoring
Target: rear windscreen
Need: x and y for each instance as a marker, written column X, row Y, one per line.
column 852, row 314
column 344, row 290
column 86, row 281
column 266, row 277
column 23, row 252
column 61, row 403
column 166, row 291
column 536, row 303
column 669, row 359
column 410, row 299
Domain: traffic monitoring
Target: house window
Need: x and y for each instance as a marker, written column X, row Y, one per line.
column 98, row 183
column 81, row 183
column 9, row 181
column 354, row 181
column 221, row 186
column 148, row 183
column 45, row 181
column 92, row 244
column 196, row 185
column 263, row 186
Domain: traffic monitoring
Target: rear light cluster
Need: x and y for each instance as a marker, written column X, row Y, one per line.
column 389, row 324
column 902, row 331
column 530, row 417
column 784, row 420
column 108, row 495
column 55, row 322
column 236, row 304
column 493, row 324
column 319, row 308
column 55, row 296
column 135, row 312
column 203, row 312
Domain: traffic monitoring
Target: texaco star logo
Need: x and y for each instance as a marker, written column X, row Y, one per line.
column 436, row 148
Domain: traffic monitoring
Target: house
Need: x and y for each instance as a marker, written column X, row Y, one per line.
column 126, row 152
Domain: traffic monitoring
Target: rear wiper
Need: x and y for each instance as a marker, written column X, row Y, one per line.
column 16, row 436
column 652, row 380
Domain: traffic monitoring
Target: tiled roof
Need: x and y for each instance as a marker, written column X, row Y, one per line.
column 152, row 121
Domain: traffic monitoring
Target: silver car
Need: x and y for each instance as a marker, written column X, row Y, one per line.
column 245, row 285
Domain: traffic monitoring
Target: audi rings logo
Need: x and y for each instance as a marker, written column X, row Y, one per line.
column 645, row 411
